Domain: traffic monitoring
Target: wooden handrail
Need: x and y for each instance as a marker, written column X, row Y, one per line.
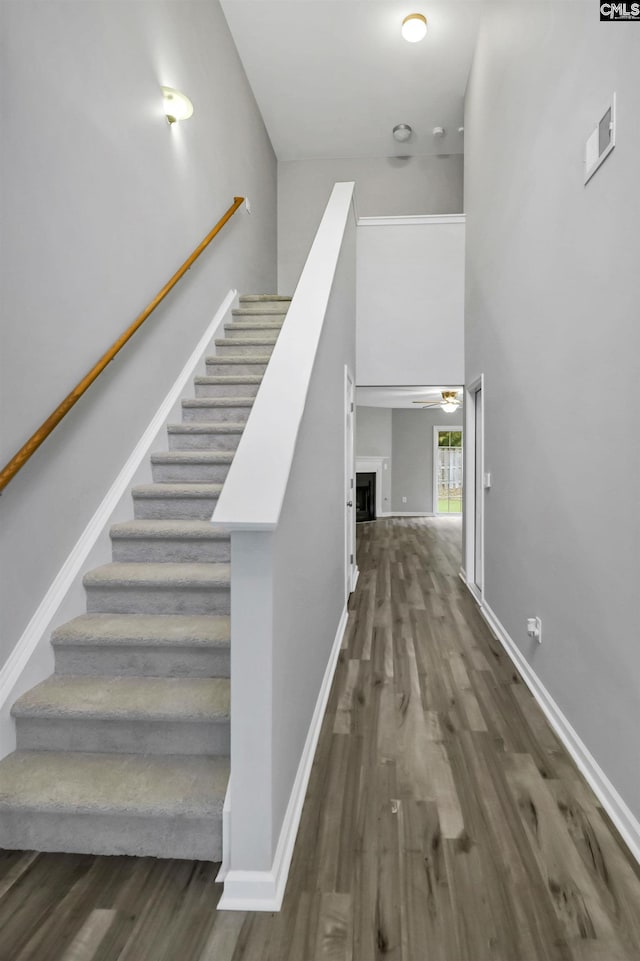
column 20, row 459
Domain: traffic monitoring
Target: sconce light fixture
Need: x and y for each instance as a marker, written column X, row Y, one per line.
column 176, row 105
column 414, row 27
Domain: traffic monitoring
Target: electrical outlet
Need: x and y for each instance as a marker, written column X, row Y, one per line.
column 404, row 500
column 534, row 628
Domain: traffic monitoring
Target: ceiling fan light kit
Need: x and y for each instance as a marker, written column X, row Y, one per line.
column 448, row 404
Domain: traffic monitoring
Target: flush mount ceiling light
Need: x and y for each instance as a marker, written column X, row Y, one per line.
column 402, row 132
column 414, row 27
column 176, row 105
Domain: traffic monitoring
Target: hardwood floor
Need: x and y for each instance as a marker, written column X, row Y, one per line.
column 443, row 822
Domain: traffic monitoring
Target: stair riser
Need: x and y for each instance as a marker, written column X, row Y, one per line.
column 166, row 836
column 215, row 415
column 142, row 661
column 215, row 369
column 240, row 349
column 209, row 441
column 226, row 390
column 175, row 508
column 189, row 473
column 235, row 333
column 152, row 549
column 125, row 737
column 181, row 600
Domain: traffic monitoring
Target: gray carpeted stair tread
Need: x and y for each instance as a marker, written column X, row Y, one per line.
column 134, row 575
column 168, row 529
column 126, row 699
column 116, row 784
column 247, row 324
column 145, row 630
column 193, row 457
column 214, row 402
column 177, row 490
column 228, row 361
column 248, row 342
column 264, row 298
column 230, row 380
column 206, row 427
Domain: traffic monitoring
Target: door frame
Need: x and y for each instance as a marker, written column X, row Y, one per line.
column 436, row 429
column 470, row 473
column 351, row 568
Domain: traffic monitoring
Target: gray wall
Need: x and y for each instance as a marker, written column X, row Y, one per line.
column 412, row 456
column 373, row 432
column 385, row 186
column 101, row 201
column 552, row 320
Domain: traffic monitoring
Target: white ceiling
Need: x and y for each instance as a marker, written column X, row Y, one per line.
column 399, row 396
column 333, row 77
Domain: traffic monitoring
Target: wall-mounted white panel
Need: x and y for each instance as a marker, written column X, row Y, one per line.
column 410, row 303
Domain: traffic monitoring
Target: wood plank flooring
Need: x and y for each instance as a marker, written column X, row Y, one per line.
column 443, row 822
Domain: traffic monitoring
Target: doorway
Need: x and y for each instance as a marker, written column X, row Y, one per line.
column 447, row 470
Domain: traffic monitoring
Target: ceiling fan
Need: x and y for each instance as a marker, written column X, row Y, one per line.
column 449, row 402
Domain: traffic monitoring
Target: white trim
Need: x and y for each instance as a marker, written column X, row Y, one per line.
column 226, row 835
column 475, row 384
column 413, row 514
column 621, row 815
column 37, row 628
column 411, row 220
column 349, row 478
column 363, row 465
column 355, row 575
column 264, row 890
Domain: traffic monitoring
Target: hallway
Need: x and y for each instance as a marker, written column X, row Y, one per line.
column 443, row 821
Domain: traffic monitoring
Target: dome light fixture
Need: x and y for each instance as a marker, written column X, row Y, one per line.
column 176, row 105
column 402, row 132
column 414, row 27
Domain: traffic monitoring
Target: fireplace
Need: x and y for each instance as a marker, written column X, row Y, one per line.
column 366, row 496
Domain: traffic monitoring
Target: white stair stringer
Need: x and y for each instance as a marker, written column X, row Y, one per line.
column 125, row 749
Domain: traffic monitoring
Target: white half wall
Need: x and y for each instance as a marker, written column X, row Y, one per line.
column 410, row 301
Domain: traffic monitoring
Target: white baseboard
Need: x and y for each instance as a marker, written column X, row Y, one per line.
column 623, row 818
column 355, row 574
column 264, row 890
column 411, row 514
column 35, row 637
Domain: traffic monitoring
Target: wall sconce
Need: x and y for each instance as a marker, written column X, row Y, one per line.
column 414, row 27
column 402, row 132
column 176, row 105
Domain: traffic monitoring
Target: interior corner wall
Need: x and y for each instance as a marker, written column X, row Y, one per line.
column 412, row 457
column 385, row 186
column 101, row 201
column 552, row 299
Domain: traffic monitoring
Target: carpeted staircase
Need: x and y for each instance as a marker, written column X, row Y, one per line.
column 125, row 749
